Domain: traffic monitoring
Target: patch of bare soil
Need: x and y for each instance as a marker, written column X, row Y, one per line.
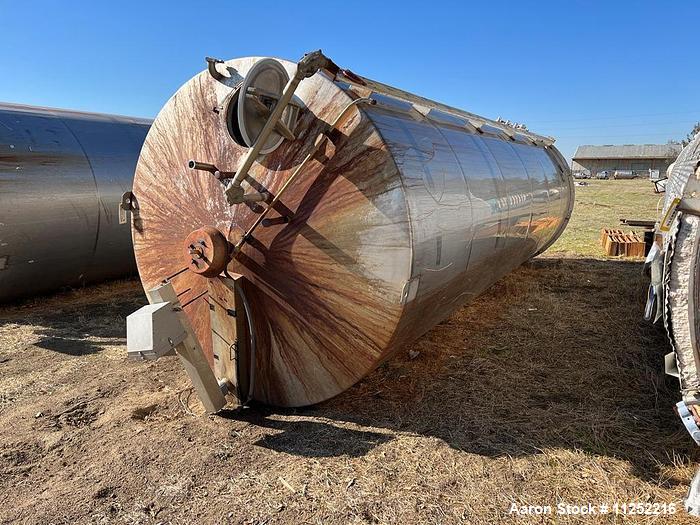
column 548, row 388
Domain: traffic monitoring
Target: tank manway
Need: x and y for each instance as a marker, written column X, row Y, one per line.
column 298, row 224
column 62, row 176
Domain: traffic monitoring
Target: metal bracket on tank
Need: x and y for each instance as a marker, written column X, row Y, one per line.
column 233, row 336
column 690, row 202
column 157, row 328
column 323, row 140
column 410, row 290
column 671, row 365
column 667, row 220
column 126, row 204
column 163, row 328
column 689, row 422
column 211, row 67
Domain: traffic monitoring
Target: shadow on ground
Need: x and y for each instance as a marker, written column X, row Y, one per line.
column 555, row 355
column 309, row 438
column 84, row 327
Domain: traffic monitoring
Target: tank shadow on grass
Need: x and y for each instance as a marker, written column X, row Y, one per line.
column 308, row 438
column 100, row 323
column 556, row 355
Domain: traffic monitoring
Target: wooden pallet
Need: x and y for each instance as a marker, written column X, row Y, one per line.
column 617, row 242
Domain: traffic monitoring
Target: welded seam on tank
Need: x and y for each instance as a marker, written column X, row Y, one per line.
column 427, row 174
column 97, row 189
column 466, row 184
column 404, row 192
column 566, row 215
column 493, row 165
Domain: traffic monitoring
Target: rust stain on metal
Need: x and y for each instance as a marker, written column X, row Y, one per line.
column 206, row 251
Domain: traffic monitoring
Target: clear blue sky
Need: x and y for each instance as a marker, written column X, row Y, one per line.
column 584, row 72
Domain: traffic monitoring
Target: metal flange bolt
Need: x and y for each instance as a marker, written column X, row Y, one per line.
column 207, row 251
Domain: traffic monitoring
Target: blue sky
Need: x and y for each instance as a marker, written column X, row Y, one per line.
column 608, row 72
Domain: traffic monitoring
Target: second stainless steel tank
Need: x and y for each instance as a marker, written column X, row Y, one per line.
column 62, row 174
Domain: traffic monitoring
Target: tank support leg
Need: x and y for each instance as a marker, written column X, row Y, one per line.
column 156, row 329
column 229, row 335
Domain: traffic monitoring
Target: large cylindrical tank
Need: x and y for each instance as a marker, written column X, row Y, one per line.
column 416, row 209
column 62, row 174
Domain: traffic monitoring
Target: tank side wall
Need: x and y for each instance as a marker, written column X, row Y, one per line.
column 519, row 196
column 561, row 190
column 479, row 207
column 547, row 193
column 112, row 148
column 48, row 207
column 436, row 193
column 51, row 216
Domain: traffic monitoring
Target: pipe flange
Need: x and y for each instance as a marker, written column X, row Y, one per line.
column 207, row 251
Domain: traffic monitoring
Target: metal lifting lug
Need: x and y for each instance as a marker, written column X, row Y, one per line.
column 211, row 66
column 314, row 61
column 126, row 204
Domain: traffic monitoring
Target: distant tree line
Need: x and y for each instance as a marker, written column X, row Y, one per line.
column 691, row 135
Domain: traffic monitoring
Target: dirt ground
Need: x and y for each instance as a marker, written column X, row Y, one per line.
column 547, row 389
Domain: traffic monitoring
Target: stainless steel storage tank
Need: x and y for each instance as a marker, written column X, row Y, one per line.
column 62, row 174
column 411, row 209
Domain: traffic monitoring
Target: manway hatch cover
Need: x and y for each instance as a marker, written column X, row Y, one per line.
column 258, row 95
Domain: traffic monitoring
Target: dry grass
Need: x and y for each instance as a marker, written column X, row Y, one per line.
column 548, row 388
column 602, row 204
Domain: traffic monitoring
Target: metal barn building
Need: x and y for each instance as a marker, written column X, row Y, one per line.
column 639, row 158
